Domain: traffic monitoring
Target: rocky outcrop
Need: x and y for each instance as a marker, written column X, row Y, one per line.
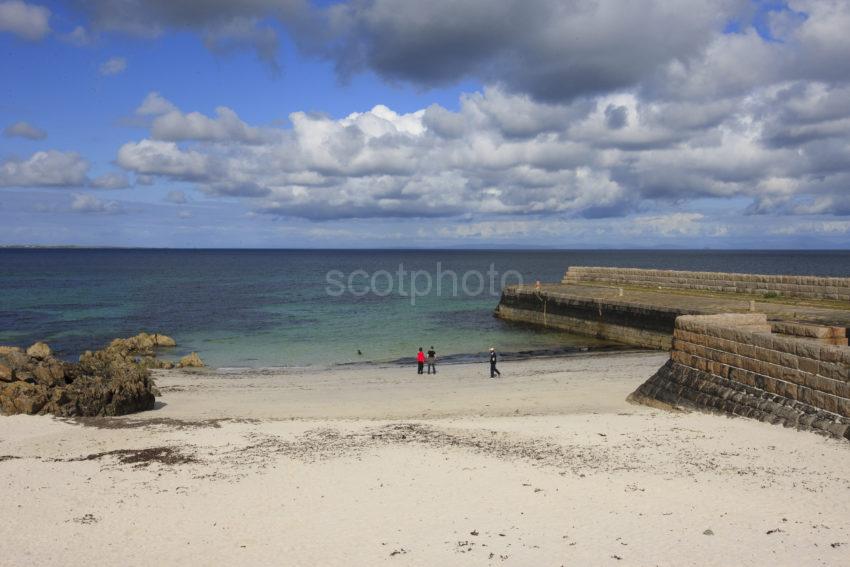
column 191, row 360
column 143, row 343
column 39, row 350
column 108, row 382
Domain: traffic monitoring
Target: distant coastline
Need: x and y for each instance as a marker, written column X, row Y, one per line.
column 465, row 248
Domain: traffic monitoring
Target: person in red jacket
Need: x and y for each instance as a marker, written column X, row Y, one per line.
column 420, row 360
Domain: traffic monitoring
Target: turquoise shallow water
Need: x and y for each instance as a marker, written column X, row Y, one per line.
column 276, row 308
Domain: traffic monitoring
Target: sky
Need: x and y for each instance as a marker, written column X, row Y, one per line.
column 398, row 123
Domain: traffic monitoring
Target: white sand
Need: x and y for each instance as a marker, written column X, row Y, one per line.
column 365, row 466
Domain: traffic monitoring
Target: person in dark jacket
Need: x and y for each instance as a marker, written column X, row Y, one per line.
column 420, row 361
column 432, row 360
column 493, row 358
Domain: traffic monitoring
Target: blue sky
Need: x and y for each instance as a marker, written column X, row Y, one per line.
column 284, row 123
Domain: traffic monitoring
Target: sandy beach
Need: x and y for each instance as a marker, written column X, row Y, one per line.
column 367, row 465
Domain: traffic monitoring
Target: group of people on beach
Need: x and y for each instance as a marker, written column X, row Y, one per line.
column 431, row 360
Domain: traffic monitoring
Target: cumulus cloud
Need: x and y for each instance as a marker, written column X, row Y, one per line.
column 170, row 124
column 591, row 110
column 84, row 203
column 113, row 180
column 601, row 157
column 50, row 168
column 113, row 66
column 155, row 104
column 24, row 130
column 151, row 157
column 27, row 21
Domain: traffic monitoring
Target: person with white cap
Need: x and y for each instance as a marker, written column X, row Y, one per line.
column 493, row 370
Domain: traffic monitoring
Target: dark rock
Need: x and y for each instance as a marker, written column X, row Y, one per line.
column 6, row 374
column 107, row 382
column 22, row 397
column 16, row 360
column 50, row 373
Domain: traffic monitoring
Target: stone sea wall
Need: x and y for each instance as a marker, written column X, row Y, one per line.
column 735, row 363
column 648, row 326
column 811, row 287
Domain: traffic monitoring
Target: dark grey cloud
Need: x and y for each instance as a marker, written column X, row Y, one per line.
column 223, row 25
column 616, row 116
column 553, row 50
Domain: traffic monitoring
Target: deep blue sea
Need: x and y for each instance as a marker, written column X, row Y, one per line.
column 264, row 308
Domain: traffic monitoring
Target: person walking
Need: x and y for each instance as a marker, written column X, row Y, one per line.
column 493, row 358
column 432, row 360
column 420, row 361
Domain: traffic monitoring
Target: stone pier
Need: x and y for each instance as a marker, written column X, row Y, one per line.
column 736, row 364
column 768, row 347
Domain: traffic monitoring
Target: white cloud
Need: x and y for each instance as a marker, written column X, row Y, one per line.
column 78, row 37
column 113, row 66
column 170, row 124
column 812, row 227
column 50, row 168
column 226, row 126
column 151, row 157
column 154, row 105
column 84, row 203
column 544, row 159
column 684, row 224
column 113, row 180
column 27, row 21
column 24, row 130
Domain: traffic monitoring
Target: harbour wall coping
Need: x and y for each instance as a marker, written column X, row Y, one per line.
column 810, row 287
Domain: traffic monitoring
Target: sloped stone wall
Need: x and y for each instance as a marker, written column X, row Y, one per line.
column 639, row 325
column 735, row 364
column 811, row 287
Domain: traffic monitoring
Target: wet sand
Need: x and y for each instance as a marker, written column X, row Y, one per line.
column 377, row 465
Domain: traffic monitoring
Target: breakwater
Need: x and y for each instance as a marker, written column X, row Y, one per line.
column 643, row 315
column 637, row 324
column 738, row 364
column 810, row 287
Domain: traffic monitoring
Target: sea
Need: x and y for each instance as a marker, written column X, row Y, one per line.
column 297, row 308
